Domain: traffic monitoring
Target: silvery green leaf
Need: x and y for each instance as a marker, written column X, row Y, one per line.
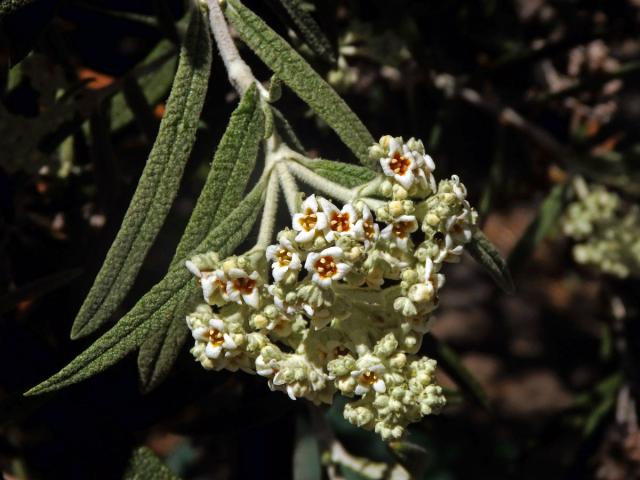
column 232, row 165
column 310, row 30
column 344, row 174
column 296, row 73
column 145, row 465
column 158, row 184
column 136, row 326
column 486, row 254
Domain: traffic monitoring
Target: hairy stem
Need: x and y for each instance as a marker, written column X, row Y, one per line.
column 320, row 183
column 289, row 187
column 240, row 75
column 269, row 212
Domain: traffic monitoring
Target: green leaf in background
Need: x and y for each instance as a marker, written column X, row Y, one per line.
column 342, row 173
column 138, row 324
column 547, row 217
column 10, row 6
column 154, row 84
column 233, row 162
column 306, row 452
column 285, row 129
column 295, row 72
column 145, row 465
column 451, row 363
column 158, row 184
column 310, row 30
column 483, row 252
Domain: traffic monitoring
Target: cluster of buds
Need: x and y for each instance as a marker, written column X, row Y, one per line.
column 341, row 302
column 607, row 233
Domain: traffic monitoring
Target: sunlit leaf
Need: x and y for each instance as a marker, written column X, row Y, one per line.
column 157, row 186
column 232, row 165
column 342, row 173
column 295, row 72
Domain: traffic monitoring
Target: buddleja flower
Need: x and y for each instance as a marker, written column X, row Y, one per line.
column 310, row 221
column 352, row 320
column 326, row 267
column 283, row 258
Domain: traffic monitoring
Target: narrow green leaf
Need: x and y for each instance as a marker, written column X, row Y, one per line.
column 451, row 363
column 294, row 71
column 310, row 30
column 547, row 217
column 342, row 173
column 154, row 84
column 142, row 111
column 231, row 168
column 157, row 186
column 135, row 327
column 284, row 128
column 145, row 465
column 483, row 252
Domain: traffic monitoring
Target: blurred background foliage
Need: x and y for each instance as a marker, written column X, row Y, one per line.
column 518, row 97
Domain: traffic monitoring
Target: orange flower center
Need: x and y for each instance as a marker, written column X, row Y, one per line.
column 244, row 285
column 216, row 337
column 368, row 378
column 284, row 257
column 402, row 229
column 326, row 267
column 399, row 164
column 369, row 231
column 340, row 222
column 309, row 220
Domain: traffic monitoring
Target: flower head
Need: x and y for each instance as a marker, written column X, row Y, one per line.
column 339, row 222
column 399, row 232
column 283, row 258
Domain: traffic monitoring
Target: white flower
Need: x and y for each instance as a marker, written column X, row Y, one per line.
column 309, row 221
column 193, row 268
column 242, row 287
column 339, row 222
column 266, row 368
column 369, row 376
column 366, row 228
column 408, row 166
column 279, row 302
column 283, row 258
column 325, row 266
column 214, row 287
column 216, row 339
column 400, row 230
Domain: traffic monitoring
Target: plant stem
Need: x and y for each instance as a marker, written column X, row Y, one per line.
column 320, row 183
column 269, row 212
column 239, row 73
column 289, row 187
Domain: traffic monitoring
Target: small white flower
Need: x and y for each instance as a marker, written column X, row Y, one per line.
column 400, row 230
column 309, row 221
column 283, row 258
column 242, row 287
column 369, row 377
column 214, row 286
column 366, row 228
column 339, row 222
column 193, row 268
column 266, row 368
column 279, row 302
column 401, row 164
column 216, row 338
column 325, row 266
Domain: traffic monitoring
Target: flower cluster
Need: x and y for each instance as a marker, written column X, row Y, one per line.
column 341, row 302
column 607, row 233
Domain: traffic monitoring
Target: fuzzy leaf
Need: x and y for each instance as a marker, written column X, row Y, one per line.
column 342, row 173
column 310, row 30
column 232, row 165
column 294, row 71
column 135, row 327
column 284, row 128
column 483, row 252
column 157, row 186
column 145, row 465
column 547, row 217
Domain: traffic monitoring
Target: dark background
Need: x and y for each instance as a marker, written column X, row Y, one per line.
column 513, row 96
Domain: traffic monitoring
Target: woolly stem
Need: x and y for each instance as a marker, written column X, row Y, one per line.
column 289, row 187
column 269, row 212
